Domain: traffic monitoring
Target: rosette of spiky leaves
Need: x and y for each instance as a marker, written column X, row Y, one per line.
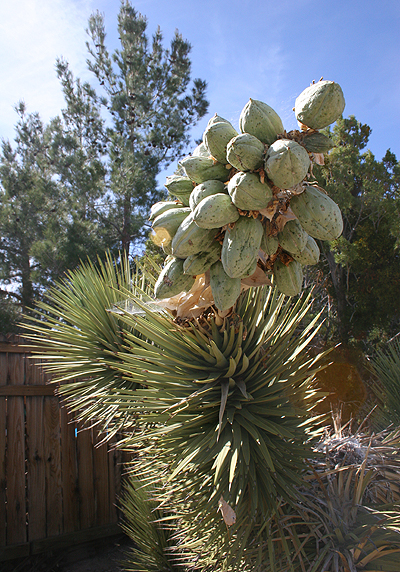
column 348, row 517
column 76, row 331
column 226, row 404
column 141, row 522
column 385, row 364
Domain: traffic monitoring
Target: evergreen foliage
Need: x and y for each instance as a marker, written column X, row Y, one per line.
column 362, row 267
column 84, row 183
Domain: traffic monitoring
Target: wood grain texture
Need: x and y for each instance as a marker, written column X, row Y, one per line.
column 52, row 448
column 101, row 480
column 69, row 472
column 15, row 457
column 36, row 468
column 85, row 477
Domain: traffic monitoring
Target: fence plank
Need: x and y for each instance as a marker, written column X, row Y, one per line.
column 36, row 469
column 16, row 507
column 3, row 413
column 69, row 472
column 101, row 480
column 52, row 447
column 85, row 477
column 50, row 477
column 111, row 473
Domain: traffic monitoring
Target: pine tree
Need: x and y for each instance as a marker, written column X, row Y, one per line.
column 29, row 198
column 151, row 107
column 362, row 267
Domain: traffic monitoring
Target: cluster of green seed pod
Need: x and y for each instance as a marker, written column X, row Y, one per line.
column 242, row 205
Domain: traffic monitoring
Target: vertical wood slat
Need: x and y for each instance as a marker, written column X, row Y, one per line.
column 101, row 481
column 52, row 444
column 60, row 479
column 35, row 453
column 16, row 507
column 111, row 473
column 69, row 472
column 3, row 482
column 85, row 476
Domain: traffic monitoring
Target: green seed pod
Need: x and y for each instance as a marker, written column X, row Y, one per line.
column 245, row 152
column 166, row 224
column 190, row 238
column 310, row 254
column 320, row 104
column 269, row 244
column 179, row 186
column 241, row 245
column 172, row 280
column 260, row 120
column 201, row 151
column 225, row 290
column 204, row 190
column 248, row 193
column 199, row 263
column 215, row 211
column 286, row 163
column 317, row 142
column 200, row 169
column 216, row 137
column 288, row 279
column 161, row 207
column 318, row 214
column 293, row 237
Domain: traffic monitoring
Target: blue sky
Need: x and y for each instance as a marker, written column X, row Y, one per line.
column 268, row 50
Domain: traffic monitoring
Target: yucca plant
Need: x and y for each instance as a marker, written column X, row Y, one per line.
column 385, row 364
column 348, row 518
column 219, row 409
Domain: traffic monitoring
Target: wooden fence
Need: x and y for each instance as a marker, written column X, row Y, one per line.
column 57, row 485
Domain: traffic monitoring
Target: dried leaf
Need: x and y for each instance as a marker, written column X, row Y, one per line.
column 228, row 514
column 259, row 278
column 318, row 158
column 283, row 218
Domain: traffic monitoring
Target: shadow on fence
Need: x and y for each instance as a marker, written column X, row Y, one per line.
column 58, row 486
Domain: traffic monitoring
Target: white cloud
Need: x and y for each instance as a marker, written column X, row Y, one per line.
column 33, row 33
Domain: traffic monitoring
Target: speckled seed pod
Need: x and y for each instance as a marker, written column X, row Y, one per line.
column 161, row 207
column 201, row 262
column 245, row 152
column 241, row 245
column 318, row 214
column 225, row 290
column 190, row 238
column 293, row 237
column 200, row 169
column 172, row 280
column 215, row 211
column 286, row 163
column 269, row 244
column 166, row 224
column 216, row 137
column 260, row 120
column 316, row 142
column 248, row 193
column 310, row 254
column 288, row 279
column 204, row 190
column 320, row 104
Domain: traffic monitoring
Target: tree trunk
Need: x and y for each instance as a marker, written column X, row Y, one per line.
column 27, row 286
column 339, row 284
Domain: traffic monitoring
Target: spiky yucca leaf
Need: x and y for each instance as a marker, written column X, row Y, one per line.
column 348, row 520
column 141, row 523
column 386, row 366
column 228, row 402
column 77, row 331
column 221, row 407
